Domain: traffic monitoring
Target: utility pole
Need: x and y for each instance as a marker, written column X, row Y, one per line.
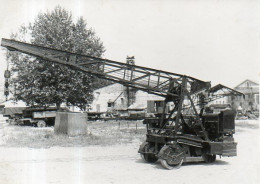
column 130, row 75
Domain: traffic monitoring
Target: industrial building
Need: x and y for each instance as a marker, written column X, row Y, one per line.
column 250, row 102
column 121, row 100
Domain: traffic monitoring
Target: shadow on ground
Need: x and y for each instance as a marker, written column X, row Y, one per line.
column 157, row 164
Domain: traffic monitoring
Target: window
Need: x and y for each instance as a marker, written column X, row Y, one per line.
column 110, row 104
column 122, row 101
column 97, row 94
column 98, row 107
column 158, row 103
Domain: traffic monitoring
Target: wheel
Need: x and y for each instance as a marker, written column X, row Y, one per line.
column 148, row 155
column 209, row 158
column 171, row 157
column 170, row 166
column 41, row 123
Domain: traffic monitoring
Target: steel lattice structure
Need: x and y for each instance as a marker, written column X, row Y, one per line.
column 175, row 136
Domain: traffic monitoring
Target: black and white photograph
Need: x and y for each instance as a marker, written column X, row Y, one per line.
column 129, row 91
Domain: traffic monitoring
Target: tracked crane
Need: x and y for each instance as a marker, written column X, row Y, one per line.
column 188, row 132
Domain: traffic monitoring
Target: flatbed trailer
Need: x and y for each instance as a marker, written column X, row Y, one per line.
column 38, row 117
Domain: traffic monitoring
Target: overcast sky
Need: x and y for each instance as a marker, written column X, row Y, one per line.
column 211, row 40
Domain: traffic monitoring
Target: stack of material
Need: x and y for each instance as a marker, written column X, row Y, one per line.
column 72, row 124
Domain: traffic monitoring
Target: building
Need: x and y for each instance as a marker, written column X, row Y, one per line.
column 221, row 100
column 117, row 98
column 109, row 98
column 251, row 99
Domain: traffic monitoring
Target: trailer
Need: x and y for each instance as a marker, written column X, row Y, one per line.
column 30, row 116
column 39, row 117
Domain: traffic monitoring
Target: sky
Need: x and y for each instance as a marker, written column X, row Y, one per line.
column 216, row 40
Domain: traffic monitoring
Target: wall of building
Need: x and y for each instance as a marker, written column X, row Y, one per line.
column 222, row 100
column 109, row 94
column 117, row 93
column 142, row 98
column 251, row 100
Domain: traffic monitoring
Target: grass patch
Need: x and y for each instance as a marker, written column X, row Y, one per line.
column 99, row 133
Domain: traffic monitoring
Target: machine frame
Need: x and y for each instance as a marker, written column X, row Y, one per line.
column 174, row 137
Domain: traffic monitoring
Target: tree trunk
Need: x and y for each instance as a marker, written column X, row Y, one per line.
column 58, row 106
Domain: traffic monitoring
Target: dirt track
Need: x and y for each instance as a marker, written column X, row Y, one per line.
column 122, row 164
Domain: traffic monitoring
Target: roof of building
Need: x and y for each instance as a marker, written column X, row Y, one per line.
column 247, row 80
column 136, row 106
column 251, row 88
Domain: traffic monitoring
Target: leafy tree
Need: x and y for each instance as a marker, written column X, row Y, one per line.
column 41, row 83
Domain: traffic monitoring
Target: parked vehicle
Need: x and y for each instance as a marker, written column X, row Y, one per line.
column 38, row 117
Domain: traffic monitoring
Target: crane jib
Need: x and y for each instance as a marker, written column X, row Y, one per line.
column 147, row 79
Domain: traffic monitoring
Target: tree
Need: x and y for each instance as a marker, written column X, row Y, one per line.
column 41, row 83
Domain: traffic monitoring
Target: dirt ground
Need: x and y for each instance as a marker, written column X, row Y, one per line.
column 122, row 164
